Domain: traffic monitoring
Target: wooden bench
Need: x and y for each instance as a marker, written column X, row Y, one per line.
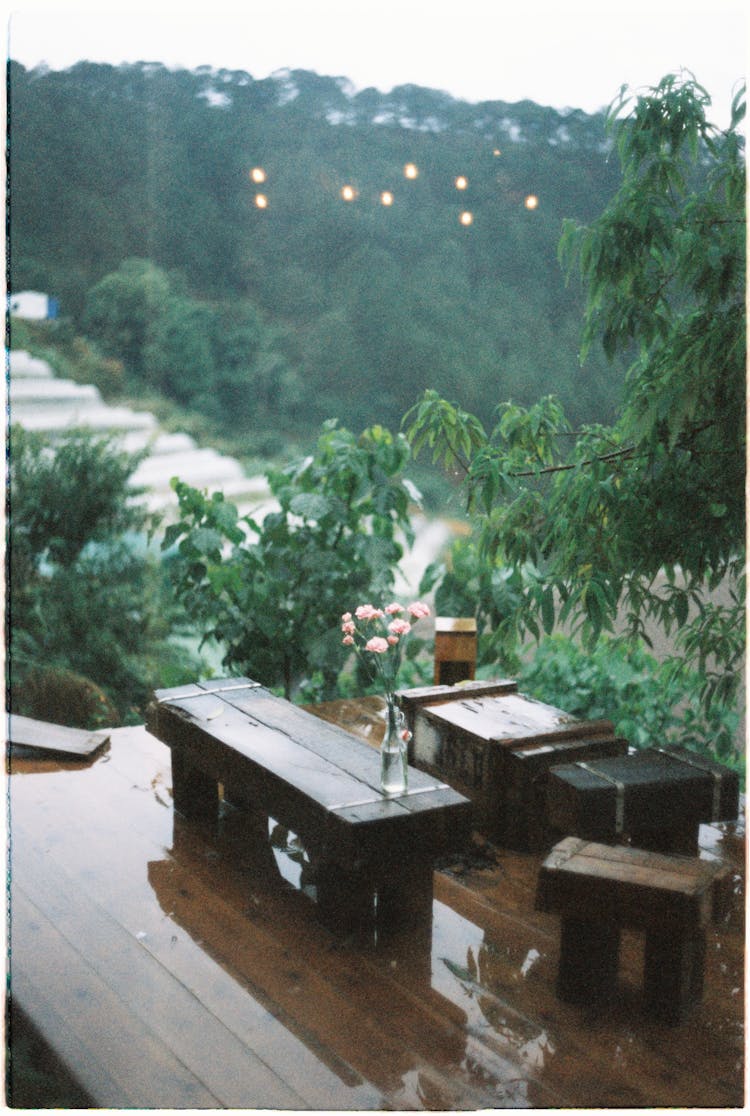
column 372, row 854
column 599, row 890
column 657, row 798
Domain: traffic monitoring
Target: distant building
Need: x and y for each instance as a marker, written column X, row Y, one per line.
column 34, row 306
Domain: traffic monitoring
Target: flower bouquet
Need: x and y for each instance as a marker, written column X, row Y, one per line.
column 377, row 636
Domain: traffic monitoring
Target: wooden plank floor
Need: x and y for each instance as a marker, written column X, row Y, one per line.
column 175, row 967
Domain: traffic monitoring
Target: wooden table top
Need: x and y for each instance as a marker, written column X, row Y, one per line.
column 171, row 966
column 307, row 772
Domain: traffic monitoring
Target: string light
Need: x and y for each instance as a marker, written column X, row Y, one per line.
column 496, row 152
column 350, row 193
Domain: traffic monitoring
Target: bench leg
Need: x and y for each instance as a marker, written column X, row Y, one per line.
column 239, row 798
column 346, row 900
column 405, row 898
column 195, row 794
column 589, row 957
column 673, row 974
column 359, row 900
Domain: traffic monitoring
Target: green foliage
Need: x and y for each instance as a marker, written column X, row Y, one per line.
column 647, row 703
column 124, row 308
column 84, row 601
column 62, row 697
column 272, row 592
column 63, row 499
column 221, row 360
column 640, row 523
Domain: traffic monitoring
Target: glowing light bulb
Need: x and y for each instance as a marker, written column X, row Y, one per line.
column 462, row 182
column 348, row 193
column 257, row 174
column 261, row 201
column 466, row 218
column 410, row 171
column 532, row 201
column 386, row 198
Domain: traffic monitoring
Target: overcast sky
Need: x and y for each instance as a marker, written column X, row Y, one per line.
column 568, row 53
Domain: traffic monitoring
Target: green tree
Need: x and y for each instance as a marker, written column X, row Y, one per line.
column 178, row 356
column 639, row 523
column 83, row 598
column 123, row 309
column 272, row 592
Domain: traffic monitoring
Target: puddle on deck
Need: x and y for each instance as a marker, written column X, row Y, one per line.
column 443, row 1018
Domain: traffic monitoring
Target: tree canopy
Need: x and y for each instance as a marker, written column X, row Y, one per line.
column 617, row 528
column 133, row 202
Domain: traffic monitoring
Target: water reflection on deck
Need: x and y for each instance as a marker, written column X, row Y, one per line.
column 268, row 1004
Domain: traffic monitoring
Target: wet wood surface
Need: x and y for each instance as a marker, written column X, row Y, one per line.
column 175, row 964
column 25, row 733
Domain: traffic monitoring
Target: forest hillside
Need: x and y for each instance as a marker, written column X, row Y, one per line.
column 273, row 253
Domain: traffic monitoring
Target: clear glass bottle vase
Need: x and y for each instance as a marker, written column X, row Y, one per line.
column 394, row 750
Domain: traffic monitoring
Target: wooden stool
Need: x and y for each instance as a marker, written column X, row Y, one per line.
column 599, row 890
column 657, row 797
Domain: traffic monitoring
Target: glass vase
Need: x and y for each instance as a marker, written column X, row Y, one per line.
column 394, row 750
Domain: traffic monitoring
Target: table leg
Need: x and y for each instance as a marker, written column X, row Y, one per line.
column 405, row 896
column 195, row 794
column 346, row 900
column 673, row 973
column 589, row 957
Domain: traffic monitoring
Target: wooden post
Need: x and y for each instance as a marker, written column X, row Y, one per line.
column 195, row 794
column 455, row 649
column 673, row 973
column 346, row 900
column 405, row 897
column 589, row 957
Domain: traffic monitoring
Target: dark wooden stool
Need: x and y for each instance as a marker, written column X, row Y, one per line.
column 599, row 890
column 657, row 798
column 373, row 854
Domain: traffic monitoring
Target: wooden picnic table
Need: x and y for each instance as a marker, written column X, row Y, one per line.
column 172, row 963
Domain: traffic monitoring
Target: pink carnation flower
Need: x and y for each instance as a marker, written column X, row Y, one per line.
column 393, row 640
column 377, row 644
column 348, row 640
column 418, row 609
column 399, row 627
column 346, row 617
column 349, row 627
column 367, row 612
column 392, row 609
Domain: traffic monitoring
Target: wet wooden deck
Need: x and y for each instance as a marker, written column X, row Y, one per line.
column 170, row 966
